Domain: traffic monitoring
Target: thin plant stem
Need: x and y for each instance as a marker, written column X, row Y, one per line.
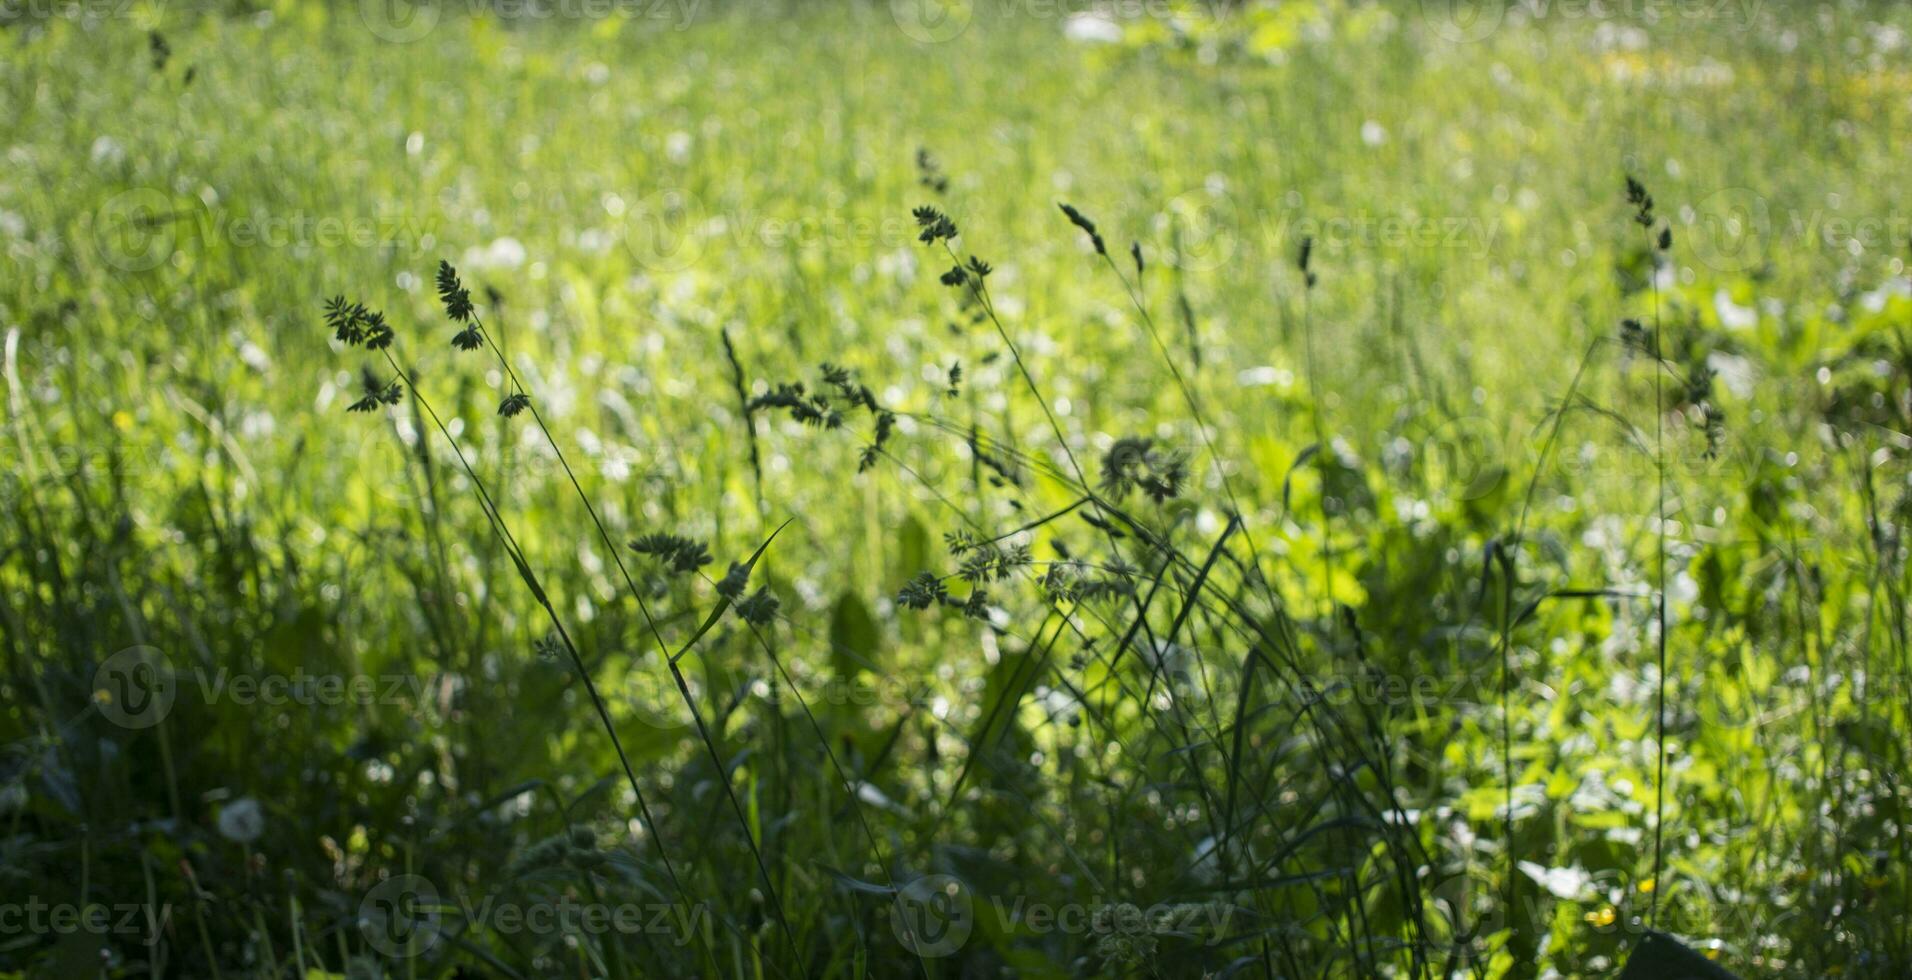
column 677, row 674
column 503, row 531
column 1659, row 703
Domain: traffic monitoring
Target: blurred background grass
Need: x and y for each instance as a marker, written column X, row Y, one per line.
column 173, row 211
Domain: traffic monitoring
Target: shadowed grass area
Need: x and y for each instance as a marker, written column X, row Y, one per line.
column 1264, row 565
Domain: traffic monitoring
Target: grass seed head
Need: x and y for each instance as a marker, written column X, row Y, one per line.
column 1642, row 202
column 679, row 554
column 356, row 326
column 1133, row 463
column 935, row 225
column 922, row 592
column 760, row 608
column 929, row 173
column 453, row 294
column 1088, row 227
column 731, row 586
column 377, row 391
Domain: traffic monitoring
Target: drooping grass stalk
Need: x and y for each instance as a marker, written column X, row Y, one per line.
column 677, row 674
column 977, row 275
column 1659, row 608
column 1022, row 367
column 503, row 531
column 1656, row 246
column 976, row 281
column 1131, row 289
column 1323, row 451
column 1181, row 384
column 1240, row 619
column 1189, row 398
column 938, row 228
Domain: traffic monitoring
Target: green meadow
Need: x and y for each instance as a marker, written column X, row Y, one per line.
column 673, row 488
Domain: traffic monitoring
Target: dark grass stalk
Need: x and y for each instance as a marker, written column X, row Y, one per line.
column 981, row 291
column 1241, row 619
column 1183, row 309
column 677, row 674
column 1657, row 244
column 1202, row 426
column 428, row 520
column 516, row 553
column 1323, row 451
column 750, row 424
column 1659, row 608
column 1521, row 942
column 1258, row 637
column 849, row 786
column 1065, row 623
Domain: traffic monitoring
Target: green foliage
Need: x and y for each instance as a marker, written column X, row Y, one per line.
column 1233, row 616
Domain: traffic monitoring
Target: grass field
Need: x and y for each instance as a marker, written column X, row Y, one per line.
column 1351, row 539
